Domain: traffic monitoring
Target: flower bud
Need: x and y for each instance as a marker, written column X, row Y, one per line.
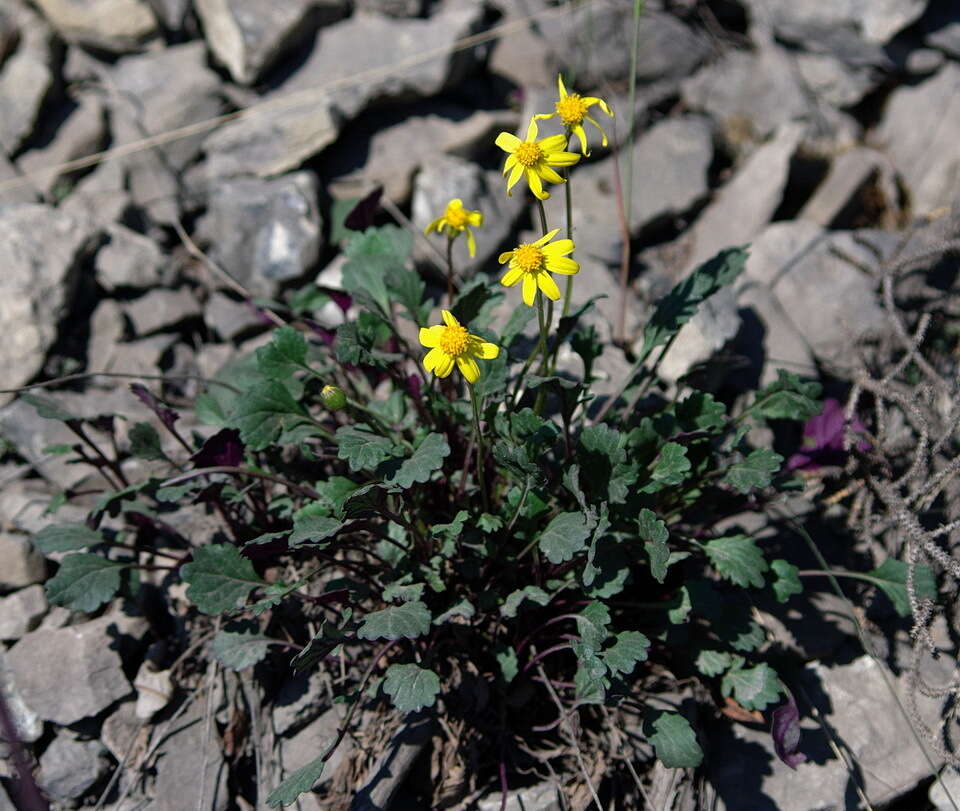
column 333, row 397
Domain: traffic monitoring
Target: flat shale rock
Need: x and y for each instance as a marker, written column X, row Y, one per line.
column 22, row 611
column 264, row 232
column 81, row 656
column 162, row 309
column 249, row 36
column 69, row 768
column 25, row 79
column 29, row 725
column 877, row 21
column 117, row 26
column 919, row 134
column 20, row 564
column 39, row 250
column 128, row 259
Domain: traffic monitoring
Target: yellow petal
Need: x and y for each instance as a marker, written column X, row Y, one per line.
column 561, row 158
column 535, row 185
column 555, row 143
column 559, row 248
column 436, row 225
column 475, row 218
column 509, row 163
column 549, row 175
column 449, row 319
column 561, row 264
column 444, row 366
column 532, row 130
column 529, row 289
column 591, row 100
column 540, row 116
column 511, row 277
column 471, row 243
column 560, row 88
column 549, row 287
column 432, row 358
column 507, row 142
column 603, row 135
column 581, row 134
column 487, row 350
column 455, row 203
column 515, row 175
column 430, row 336
column 469, row 369
column 547, row 237
column 506, row 256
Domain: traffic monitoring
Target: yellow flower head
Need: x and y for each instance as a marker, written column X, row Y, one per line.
column 572, row 109
column 455, row 219
column 534, row 159
column 535, row 261
column 450, row 344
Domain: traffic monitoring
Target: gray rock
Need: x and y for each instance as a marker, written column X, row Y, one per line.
column 298, row 702
column 713, row 327
column 20, row 564
column 946, row 39
column 523, row 57
column 83, row 656
column 770, row 340
column 747, row 202
column 117, row 26
column 121, row 729
column 868, row 726
column 230, row 318
column 392, row 8
column 877, row 20
column 917, row 132
column 851, row 174
column 22, row 611
column 944, row 793
column 312, row 740
column 829, row 79
column 6, row 804
column 14, row 187
column 25, row 79
column 69, row 768
column 162, row 310
column 541, row 797
column 923, row 61
column 100, row 198
column 128, row 259
column 190, row 753
column 82, row 133
column 754, row 91
column 9, row 33
column 249, row 36
column 171, row 13
column 264, row 232
column 29, row 725
column 39, row 250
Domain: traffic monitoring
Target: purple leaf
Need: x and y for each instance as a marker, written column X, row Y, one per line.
column 166, row 415
column 343, row 300
column 785, row 730
column 361, row 216
column 224, row 448
column 413, row 386
column 823, row 439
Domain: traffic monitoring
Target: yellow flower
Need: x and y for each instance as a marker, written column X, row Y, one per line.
column 572, row 109
column 534, row 158
column 450, row 344
column 455, row 219
column 531, row 262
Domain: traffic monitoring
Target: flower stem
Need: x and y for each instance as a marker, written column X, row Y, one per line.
column 543, row 216
column 568, row 197
column 450, row 272
column 542, row 349
column 480, row 451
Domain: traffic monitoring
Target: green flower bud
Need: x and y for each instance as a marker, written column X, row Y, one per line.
column 333, row 397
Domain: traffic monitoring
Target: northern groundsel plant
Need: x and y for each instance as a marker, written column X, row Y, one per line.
column 546, row 549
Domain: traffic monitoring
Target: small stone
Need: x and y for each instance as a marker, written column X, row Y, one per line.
column 25, row 79
column 68, row 767
column 107, row 328
column 392, row 8
column 297, row 703
column 9, row 33
column 129, row 259
column 28, row 724
column 924, row 61
column 22, row 611
column 20, row 564
column 122, row 732
column 878, row 20
column 524, row 56
column 946, row 39
column 944, row 793
column 14, row 187
column 111, row 25
column 830, row 79
column 230, row 318
column 249, row 36
column 83, row 656
column 851, row 174
column 99, row 199
column 154, row 690
column 312, row 740
column 162, row 310
column 264, row 232
column 715, row 324
column 541, row 797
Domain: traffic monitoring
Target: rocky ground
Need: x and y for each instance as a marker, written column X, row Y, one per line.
column 823, row 132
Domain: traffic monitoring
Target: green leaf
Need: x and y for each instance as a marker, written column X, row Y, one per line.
column 682, row 303
column 518, row 319
column 427, row 458
column 700, row 411
column 84, row 582
column 322, row 644
column 592, row 623
column 515, row 459
column 512, row 604
column 713, row 662
column 787, row 581
column 590, row 681
column 313, row 529
column 754, row 471
column 891, row 577
column 653, row 531
column 411, row 687
column 145, row 442
column 408, row 620
column 470, row 300
column 464, row 608
column 681, row 608
column 365, row 501
column 788, row 398
column 273, row 594
column 602, row 454
column 622, row 657
column 403, row 591
column 673, row 739
column 364, row 278
column 754, row 687
column 507, row 660
column 300, row 782
column 566, row 535
column 407, row 287
column 285, row 354
column 210, row 411
column 738, row 559
column 240, row 645
column 672, row 465
column 219, row 578
column 363, row 450
column 66, row 538
column 263, row 412
column 48, row 409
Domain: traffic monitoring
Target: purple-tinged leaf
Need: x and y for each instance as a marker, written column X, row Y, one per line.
column 166, row 415
column 414, row 388
column 224, row 448
column 785, row 730
column 361, row 216
column 343, row 300
column 823, row 439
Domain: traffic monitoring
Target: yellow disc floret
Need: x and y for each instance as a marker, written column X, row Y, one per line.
column 571, row 110
column 454, row 340
column 528, row 153
column 529, row 258
column 456, row 216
